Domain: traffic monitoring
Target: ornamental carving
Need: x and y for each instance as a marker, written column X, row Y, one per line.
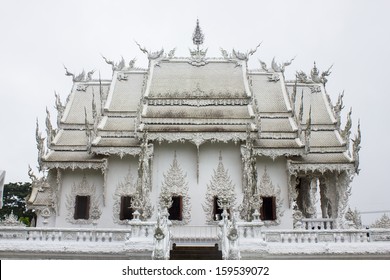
column 11, row 220
column 197, row 93
column 82, row 87
column 198, row 56
column 122, row 76
column 83, row 189
column 266, row 188
column 343, row 192
column 249, row 179
column 244, row 56
column 195, row 137
column 175, row 184
column 275, row 67
column 220, row 186
column 295, row 168
column 315, row 76
column 199, row 102
column 72, row 165
column 141, row 201
column 127, row 187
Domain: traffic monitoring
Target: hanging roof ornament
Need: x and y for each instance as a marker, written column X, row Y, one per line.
column 197, row 36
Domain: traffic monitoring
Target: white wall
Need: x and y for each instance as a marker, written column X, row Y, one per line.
column 208, row 161
column 277, row 170
column 186, row 153
column 69, row 178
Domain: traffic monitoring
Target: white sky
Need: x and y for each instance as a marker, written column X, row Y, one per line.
column 38, row 37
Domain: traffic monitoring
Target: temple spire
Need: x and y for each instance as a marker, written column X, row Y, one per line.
column 197, row 36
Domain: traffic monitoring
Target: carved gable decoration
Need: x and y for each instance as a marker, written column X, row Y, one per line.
column 220, row 186
column 175, row 184
column 128, row 187
column 83, row 189
column 266, row 188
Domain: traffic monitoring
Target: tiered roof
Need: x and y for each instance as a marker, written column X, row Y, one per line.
column 199, row 99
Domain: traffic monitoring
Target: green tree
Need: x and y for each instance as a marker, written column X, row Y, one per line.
column 14, row 200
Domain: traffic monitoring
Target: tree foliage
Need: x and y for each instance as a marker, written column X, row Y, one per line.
column 14, row 200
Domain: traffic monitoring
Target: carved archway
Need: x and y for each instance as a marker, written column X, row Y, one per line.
column 220, row 186
column 175, row 185
column 126, row 188
column 87, row 190
column 266, row 189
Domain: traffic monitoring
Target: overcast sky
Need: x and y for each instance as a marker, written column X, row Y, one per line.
column 38, row 37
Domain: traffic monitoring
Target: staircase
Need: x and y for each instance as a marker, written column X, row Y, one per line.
column 195, row 253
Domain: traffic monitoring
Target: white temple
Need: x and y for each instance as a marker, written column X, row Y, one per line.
column 195, row 152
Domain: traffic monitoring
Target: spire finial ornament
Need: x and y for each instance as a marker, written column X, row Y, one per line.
column 197, row 36
column 198, row 55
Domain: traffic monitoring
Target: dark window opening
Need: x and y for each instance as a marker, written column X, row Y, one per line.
column 268, row 209
column 81, row 210
column 217, row 211
column 126, row 212
column 176, row 210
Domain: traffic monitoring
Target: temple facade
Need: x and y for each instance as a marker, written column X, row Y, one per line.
column 195, row 151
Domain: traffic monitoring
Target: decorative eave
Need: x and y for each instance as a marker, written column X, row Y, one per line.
column 196, row 101
column 278, row 135
column 198, row 138
column 196, row 121
column 73, row 165
column 278, row 152
column 115, row 133
column 327, row 149
column 81, row 148
column 119, row 151
column 296, row 168
column 81, row 160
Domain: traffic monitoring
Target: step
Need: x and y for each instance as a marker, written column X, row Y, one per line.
column 195, row 253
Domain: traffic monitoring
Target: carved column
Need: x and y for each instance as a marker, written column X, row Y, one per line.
column 326, row 204
column 316, row 198
column 141, row 200
column 293, row 184
column 304, row 198
column 343, row 192
column 249, row 181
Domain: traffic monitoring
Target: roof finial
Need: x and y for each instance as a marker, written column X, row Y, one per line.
column 197, row 36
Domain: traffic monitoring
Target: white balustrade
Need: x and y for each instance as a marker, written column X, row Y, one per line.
column 195, row 233
column 318, row 224
column 133, row 231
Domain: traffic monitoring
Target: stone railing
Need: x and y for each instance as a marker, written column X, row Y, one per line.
column 321, row 224
column 195, row 234
column 140, row 230
column 251, row 232
column 192, row 234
